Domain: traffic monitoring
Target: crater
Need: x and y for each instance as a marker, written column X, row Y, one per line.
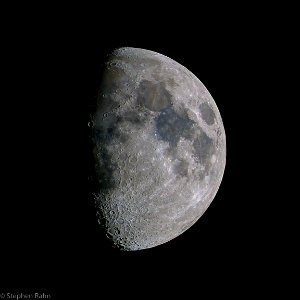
column 153, row 96
column 207, row 113
column 170, row 126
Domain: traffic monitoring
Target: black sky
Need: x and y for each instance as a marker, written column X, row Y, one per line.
column 50, row 234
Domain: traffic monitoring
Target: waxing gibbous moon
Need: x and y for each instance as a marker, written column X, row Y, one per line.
column 159, row 147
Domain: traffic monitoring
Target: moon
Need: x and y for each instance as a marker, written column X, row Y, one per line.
column 159, row 147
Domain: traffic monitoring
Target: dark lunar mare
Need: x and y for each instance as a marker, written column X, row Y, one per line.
column 204, row 147
column 207, row 113
column 170, row 126
column 153, row 96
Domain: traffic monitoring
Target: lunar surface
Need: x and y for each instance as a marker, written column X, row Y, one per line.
column 159, row 147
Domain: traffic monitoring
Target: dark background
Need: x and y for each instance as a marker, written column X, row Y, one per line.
column 50, row 237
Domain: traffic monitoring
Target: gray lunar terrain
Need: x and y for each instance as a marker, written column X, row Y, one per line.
column 159, row 148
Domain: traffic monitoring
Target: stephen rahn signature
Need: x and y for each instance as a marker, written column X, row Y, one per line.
column 24, row 296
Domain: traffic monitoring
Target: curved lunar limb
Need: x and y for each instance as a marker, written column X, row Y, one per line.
column 159, row 147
